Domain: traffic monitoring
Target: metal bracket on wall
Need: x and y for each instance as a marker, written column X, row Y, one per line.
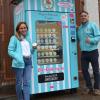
column 15, row 2
column 2, row 29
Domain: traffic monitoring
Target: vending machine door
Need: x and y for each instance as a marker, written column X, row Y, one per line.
column 51, row 59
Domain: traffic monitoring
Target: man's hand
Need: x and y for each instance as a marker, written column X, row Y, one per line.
column 88, row 40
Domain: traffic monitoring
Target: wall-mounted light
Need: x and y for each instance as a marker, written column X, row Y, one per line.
column 15, row 2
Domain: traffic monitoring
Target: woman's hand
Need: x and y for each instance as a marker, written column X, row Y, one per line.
column 34, row 45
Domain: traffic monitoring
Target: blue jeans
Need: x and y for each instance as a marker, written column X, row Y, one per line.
column 23, row 78
column 86, row 58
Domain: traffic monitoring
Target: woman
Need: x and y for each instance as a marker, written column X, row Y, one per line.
column 19, row 49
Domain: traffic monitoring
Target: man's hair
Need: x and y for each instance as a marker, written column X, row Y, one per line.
column 84, row 12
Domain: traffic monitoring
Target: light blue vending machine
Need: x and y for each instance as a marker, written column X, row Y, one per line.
column 52, row 25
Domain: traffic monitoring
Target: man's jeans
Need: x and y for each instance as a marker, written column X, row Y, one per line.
column 91, row 57
column 23, row 78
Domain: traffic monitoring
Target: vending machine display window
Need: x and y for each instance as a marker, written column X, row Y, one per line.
column 49, row 40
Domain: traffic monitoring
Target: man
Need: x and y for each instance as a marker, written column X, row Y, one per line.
column 89, row 36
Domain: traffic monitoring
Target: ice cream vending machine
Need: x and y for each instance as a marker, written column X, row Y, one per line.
column 52, row 25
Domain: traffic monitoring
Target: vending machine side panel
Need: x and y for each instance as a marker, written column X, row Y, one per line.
column 19, row 13
column 70, row 48
column 73, row 50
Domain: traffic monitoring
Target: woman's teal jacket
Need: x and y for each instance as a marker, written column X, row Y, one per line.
column 15, row 52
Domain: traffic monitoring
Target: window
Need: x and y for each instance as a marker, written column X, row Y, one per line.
column 49, row 39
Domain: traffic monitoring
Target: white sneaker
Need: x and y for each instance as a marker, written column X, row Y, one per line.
column 97, row 92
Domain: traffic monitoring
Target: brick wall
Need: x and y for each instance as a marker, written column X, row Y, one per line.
column 6, row 30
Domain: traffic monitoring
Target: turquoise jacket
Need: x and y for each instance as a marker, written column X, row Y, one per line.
column 15, row 52
column 90, row 30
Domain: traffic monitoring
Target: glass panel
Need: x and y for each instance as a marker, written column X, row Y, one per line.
column 49, row 40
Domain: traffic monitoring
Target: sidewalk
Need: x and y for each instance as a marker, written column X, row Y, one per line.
column 7, row 92
column 60, row 95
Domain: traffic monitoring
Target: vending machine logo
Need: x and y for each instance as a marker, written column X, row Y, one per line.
column 48, row 4
column 65, row 4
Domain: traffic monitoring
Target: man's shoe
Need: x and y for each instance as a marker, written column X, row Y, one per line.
column 91, row 92
column 88, row 91
column 97, row 92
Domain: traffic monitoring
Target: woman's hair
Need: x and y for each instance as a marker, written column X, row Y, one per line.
column 17, row 29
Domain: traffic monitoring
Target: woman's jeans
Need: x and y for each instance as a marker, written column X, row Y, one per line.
column 23, row 78
column 86, row 58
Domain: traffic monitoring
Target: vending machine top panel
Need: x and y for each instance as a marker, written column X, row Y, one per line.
column 50, row 5
column 47, row 5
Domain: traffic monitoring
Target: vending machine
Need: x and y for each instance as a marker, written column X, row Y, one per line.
column 52, row 25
